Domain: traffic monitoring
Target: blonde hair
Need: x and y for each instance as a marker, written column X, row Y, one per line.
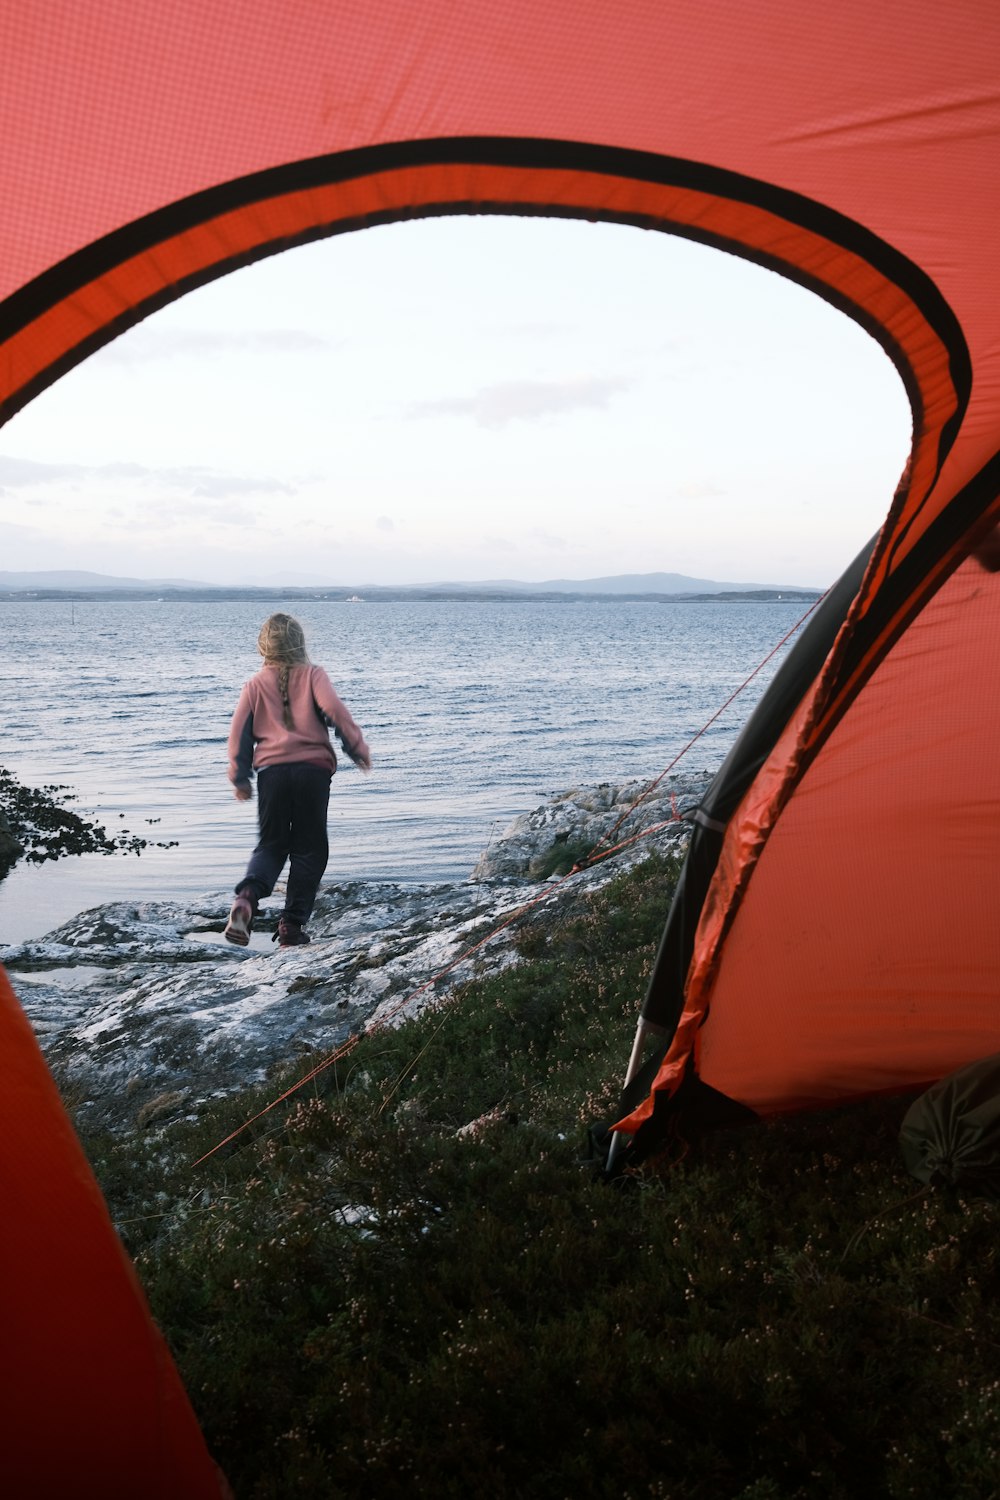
column 282, row 644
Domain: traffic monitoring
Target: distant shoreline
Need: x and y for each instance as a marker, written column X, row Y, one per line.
column 401, row 595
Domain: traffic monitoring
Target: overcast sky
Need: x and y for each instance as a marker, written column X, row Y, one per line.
column 466, row 399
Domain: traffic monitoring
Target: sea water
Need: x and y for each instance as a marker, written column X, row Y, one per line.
column 475, row 712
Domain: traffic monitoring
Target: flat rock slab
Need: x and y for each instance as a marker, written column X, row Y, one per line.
column 144, row 1010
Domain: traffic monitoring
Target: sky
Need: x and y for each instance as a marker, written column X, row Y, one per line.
column 466, row 399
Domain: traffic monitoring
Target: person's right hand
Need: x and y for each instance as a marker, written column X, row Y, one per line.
column 242, row 793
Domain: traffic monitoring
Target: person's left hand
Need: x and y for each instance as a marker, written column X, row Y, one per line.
column 242, row 793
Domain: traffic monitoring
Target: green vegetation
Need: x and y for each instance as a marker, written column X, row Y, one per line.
column 560, row 858
column 409, row 1280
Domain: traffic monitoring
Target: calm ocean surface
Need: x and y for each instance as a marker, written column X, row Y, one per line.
column 474, row 712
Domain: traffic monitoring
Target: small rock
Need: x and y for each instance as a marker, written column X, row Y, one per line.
column 10, row 849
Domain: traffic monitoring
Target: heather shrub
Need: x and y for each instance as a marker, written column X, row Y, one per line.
column 409, row 1279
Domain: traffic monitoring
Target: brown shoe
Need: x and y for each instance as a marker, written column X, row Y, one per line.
column 240, row 922
column 290, row 934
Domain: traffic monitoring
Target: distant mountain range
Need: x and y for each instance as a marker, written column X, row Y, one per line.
column 74, row 580
column 631, row 585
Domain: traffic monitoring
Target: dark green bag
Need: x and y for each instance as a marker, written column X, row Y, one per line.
column 950, row 1136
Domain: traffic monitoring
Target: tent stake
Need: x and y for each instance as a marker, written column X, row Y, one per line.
column 642, row 1031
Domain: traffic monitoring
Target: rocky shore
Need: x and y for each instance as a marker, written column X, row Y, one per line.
column 143, row 1009
column 36, row 825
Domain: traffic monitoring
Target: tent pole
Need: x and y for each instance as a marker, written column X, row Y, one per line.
column 642, row 1031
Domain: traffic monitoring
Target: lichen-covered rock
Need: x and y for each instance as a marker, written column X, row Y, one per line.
column 553, row 837
column 144, row 1011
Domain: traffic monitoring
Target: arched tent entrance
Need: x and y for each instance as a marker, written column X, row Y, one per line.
column 148, row 150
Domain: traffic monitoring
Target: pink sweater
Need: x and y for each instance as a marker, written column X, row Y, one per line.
column 258, row 736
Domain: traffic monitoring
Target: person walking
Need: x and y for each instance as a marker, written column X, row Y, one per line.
column 281, row 730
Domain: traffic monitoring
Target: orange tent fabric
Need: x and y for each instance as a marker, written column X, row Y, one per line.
column 147, row 149
column 92, row 1403
column 144, row 153
column 863, row 957
column 881, row 970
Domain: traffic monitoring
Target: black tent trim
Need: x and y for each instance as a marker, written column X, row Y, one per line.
column 103, row 255
column 664, row 999
column 665, row 994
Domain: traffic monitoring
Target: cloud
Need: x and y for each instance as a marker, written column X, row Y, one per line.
column 194, row 479
column 524, row 400
column 17, row 473
column 547, row 539
column 144, row 345
column 13, row 534
column 219, row 486
column 385, row 523
column 190, row 510
column 697, row 489
column 537, row 329
column 493, row 544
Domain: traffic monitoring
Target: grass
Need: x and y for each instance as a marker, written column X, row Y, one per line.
column 409, row 1280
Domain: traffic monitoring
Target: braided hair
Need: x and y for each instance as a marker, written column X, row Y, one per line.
column 282, row 644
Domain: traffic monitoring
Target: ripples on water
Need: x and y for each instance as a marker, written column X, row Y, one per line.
column 475, row 712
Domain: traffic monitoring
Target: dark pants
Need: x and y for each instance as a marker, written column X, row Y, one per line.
column 291, row 817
